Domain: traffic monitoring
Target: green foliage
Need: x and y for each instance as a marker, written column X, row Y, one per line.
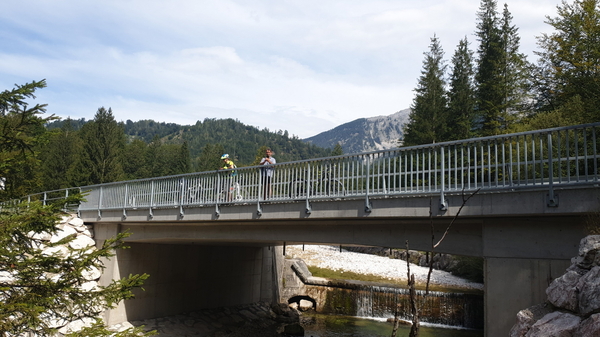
column 501, row 74
column 427, row 120
column 461, row 95
column 21, row 132
column 39, row 286
column 468, row 267
column 103, row 143
column 337, row 150
column 59, row 157
column 569, row 58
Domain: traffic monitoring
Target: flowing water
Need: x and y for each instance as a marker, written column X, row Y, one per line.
column 320, row 325
column 448, row 309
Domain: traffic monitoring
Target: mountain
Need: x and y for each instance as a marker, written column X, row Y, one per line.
column 364, row 134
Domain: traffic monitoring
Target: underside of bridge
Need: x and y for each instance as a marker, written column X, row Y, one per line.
column 199, row 261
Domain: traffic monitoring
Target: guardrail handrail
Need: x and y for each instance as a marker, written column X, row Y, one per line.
column 546, row 158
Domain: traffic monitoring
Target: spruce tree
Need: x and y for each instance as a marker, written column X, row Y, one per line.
column 103, row 143
column 514, row 70
column 21, row 133
column 427, row 120
column 568, row 60
column 461, row 95
column 59, row 155
column 489, row 94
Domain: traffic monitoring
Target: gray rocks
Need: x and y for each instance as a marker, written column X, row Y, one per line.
column 573, row 307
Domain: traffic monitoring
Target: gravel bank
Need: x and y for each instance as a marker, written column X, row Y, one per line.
column 331, row 258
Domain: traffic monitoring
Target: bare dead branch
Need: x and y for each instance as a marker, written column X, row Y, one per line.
column 456, row 216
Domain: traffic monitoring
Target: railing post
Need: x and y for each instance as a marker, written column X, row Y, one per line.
column 100, row 203
column 181, row 197
column 551, row 198
column 150, row 214
column 308, row 209
column 125, row 201
column 368, row 206
column 443, row 203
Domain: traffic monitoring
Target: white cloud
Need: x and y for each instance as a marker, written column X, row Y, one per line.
column 302, row 66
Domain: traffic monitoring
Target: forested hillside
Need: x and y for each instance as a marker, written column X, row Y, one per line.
column 79, row 152
column 239, row 140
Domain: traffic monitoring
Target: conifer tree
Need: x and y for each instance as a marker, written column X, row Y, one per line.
column 461, row 95
column 21, row 132
column 427, row 119
column 135, row 165
column 182, row 162
column 568, row 60
column 514, row 70
column 337, row 150
column 489, row 95
column 59, row 155
column 103, row 143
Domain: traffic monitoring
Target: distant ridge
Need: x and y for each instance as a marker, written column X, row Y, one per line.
column 364, row 134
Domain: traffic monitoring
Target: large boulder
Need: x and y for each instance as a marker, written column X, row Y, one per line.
column 527, row 317
column 563, row 292
column 573, row 307
column 556, row 324
column 589, row 292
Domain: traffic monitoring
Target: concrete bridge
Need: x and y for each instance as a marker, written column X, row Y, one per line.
column 218, row 238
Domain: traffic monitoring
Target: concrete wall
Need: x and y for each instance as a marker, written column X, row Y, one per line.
column 186, row 278
column 512, row 285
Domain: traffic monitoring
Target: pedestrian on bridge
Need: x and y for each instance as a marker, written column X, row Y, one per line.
column 267, row 172
column 227, row 184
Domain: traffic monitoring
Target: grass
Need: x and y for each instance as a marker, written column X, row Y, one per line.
column 347, row 275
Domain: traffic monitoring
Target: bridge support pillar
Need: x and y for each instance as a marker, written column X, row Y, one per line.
column 103, row 232
column 514, row 284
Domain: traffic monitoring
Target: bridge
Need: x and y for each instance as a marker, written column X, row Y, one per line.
column 217, row 238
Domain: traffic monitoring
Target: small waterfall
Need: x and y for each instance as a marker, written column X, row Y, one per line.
column 452, row 309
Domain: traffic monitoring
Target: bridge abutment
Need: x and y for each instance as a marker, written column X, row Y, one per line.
column 514, row 284
column 188, row 277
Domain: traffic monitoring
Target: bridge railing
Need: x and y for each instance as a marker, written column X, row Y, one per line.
column 536, row 159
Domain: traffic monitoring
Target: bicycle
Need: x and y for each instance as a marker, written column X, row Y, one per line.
column 231, row 193
column 324, row 185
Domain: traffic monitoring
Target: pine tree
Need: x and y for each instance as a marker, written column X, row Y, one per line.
column 337, row 150
column 21, row 133
column 489, row 94
column 38, row 287
column 461, row 95
column 182, row 162
column 427, row 119
column 569, row 58
column 103, row 143
column 59, row 155
column 135, row 165
column 514, row 70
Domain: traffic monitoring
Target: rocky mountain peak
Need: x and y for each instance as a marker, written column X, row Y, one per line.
column 364, row 134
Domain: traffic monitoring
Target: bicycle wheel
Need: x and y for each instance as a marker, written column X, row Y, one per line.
column 239, row 193
column 193, row 195
column 297, row 189
column 335, row 188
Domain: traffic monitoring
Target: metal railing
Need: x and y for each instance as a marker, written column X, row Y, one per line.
column 545, row 159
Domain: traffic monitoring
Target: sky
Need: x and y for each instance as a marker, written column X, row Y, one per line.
column 305, row 66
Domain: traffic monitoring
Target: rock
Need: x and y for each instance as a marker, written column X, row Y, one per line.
column 82, row 241
column 76, row 325
column 555, row 324
column 589, row 292
column 563, row 291
column 77, row 223
column 589, row 255
column 589, row 327
column 527, row 317
column 91, row 274
column 63, row 233
column 305, row 305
